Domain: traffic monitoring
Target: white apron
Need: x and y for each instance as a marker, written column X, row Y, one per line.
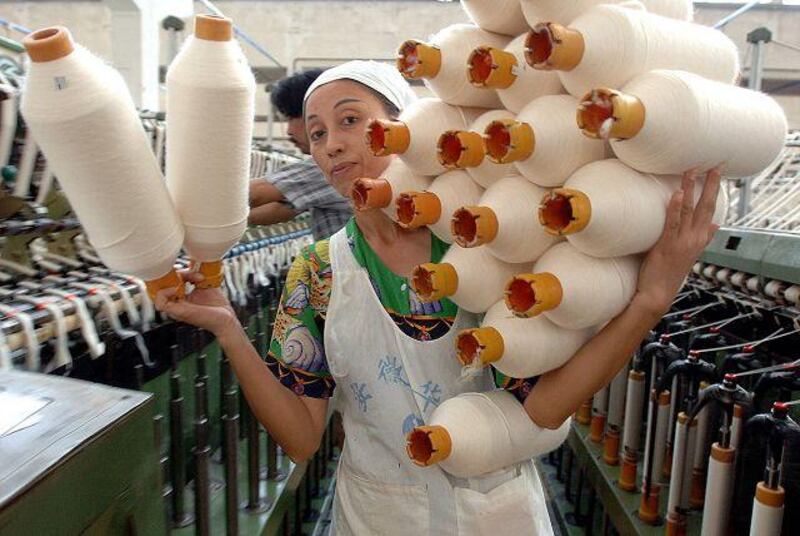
column 387, row 384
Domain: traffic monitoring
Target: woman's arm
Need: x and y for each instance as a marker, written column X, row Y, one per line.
column 296, row 423
column 263, row 192
column 688, row 230
column 270, row 213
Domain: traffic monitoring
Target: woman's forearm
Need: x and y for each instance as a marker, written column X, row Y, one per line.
column 559, row 393
column 290, row 422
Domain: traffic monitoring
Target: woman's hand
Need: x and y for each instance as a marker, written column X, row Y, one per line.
column 687, row 232
column 207, row 309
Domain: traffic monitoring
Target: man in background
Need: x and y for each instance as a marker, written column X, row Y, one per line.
column 300, row 187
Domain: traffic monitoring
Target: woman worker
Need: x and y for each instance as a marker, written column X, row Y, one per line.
column 349, row 320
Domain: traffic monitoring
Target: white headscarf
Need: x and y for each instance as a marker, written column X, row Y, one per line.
column 379, row 77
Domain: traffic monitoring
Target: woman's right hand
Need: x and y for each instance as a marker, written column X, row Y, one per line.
column 207, row 309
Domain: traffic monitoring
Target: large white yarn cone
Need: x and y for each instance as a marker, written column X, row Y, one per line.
column 434, row 206
column 465, row 149
column 473, row 279
column 565, row 11
column 383, row 192
column 478, row 433
column 574, row 290
column 519, row 347
column 498, row 16
column 544, row 144
column 666, row 122
column 210, row 111
column 607, row 209
column 80, row 112
column 609, row 45
column 442, row 64
column 504, row 220
column 508, row 72
column 414, row 136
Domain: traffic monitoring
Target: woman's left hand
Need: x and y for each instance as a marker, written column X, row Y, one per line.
column 687, row 232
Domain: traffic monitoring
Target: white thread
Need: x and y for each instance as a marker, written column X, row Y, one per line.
column 454, row 189
column 63, row 357
column 402, row 179
column 520, row 237
column 451, row 85
column 594, row 290
column 88, row 328
column 27, row 166
column 685, row 116
column 112, row 315
column 160, row 141
column 498, row 16
column 125, row 297
column 628, row 208
column 93, row 138
column 767, row 520
column 560, row 148
column 532, row 346
column 5, row 352
column 8, row 127
column 774, row 289
column 25, row 321
column 482, row 277
column 718, row 498
column 488, row 172
column 490, row 431
column 233, row 292
column 792, row 294
column 530, row 83
column 145, row 303
column 565, row 11
column 426, row 119
column 622, row 43
column 210, row 109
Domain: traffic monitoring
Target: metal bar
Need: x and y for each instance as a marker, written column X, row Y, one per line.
column 202, row 455
column 11, row 45
column 254, row 504
column 241, row 34
column 736, row 14
column 14, row 26
column 180, row 518
column 231, row 425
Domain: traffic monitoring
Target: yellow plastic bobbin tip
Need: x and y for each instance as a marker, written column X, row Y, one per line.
column 648, row 507
column 49, row 44
column 491, row 68
column 564, row 211
column 483, row 345
column 386, row 137
column 609, row 114
column 417, row 209
column 212, row 274
column 428, row 445
column 474, row 226
column 369, row 194
column 509, row 141
column 416, row 60
column 170, row 280
column 434, row 282
column 551, row 46
column 460, row 149
column 529, row 295
column 213, row 28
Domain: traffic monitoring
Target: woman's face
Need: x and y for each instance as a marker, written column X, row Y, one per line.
column 336, row 120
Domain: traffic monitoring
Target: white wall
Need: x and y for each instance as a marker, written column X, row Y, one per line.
column 341, row 29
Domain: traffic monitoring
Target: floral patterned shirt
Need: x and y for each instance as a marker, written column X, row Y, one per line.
column 296, row 353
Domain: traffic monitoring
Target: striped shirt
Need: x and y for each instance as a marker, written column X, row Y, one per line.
column 305, row 188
